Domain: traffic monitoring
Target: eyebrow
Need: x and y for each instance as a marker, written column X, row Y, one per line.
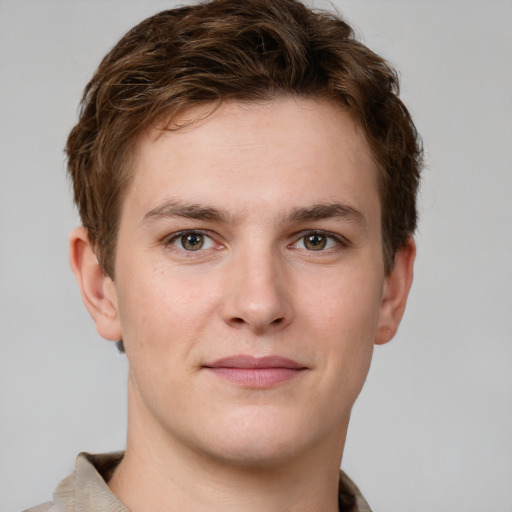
column 326, row 211
column 175, row 208
column 189, row 211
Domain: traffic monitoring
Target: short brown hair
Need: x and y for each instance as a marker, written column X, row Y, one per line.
column 236, row 50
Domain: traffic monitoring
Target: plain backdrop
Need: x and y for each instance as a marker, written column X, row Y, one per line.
column 432, row 430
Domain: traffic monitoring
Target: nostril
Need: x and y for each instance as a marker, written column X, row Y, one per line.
column 278, row 320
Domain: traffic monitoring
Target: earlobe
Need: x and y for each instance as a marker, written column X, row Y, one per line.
column 395, row 293
column 97, row 289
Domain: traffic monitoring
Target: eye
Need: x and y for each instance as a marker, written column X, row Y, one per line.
column 192, row 241
column 316, row 241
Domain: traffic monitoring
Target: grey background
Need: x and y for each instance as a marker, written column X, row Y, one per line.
column 432, row 430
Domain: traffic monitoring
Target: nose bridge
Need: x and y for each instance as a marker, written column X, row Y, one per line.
column 256, row 294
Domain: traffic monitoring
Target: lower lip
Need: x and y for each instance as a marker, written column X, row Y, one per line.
column 257, row 377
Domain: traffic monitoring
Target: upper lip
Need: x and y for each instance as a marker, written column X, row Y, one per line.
column 255, row 363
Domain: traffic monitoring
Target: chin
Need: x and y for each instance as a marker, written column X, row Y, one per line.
column 260, row 440
column 260, row 453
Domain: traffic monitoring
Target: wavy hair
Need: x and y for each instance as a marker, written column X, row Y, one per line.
column 236, row 50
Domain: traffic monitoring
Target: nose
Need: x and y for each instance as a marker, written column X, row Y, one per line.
column 257, row 293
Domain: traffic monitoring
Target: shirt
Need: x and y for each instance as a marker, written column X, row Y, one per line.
column 86, row 489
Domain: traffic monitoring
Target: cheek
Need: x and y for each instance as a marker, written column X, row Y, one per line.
column 345, row 318
column 163, row 316
column 348, row 303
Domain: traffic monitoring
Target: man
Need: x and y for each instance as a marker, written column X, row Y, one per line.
column 246, row 178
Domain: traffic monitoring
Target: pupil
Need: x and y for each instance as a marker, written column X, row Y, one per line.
column 315, row 242
column 192, row 242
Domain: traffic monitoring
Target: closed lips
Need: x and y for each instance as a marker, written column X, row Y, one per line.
column 256, row 372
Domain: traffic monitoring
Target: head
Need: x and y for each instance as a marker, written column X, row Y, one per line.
column 246, row 177
column 243, row 51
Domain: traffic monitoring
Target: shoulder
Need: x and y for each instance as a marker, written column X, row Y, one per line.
column 86, row 488
column 44, row 507
column 350, row 498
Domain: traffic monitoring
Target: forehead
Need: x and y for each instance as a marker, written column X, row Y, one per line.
column 280, row 153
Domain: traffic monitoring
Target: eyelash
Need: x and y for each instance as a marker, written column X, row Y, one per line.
column 340, row 241
column 169, row 241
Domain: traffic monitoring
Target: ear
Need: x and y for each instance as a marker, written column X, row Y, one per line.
column 395, row 293
column 97, row 289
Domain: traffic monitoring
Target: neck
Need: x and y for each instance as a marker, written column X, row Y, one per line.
column 160, row 472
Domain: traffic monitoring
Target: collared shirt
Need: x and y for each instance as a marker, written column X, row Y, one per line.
column 86, row 489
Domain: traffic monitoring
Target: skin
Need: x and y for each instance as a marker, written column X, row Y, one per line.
column 260, row 180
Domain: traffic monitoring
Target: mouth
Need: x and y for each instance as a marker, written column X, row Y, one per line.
column 256, row 372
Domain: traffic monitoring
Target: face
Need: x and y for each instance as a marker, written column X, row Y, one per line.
column 249, row 280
